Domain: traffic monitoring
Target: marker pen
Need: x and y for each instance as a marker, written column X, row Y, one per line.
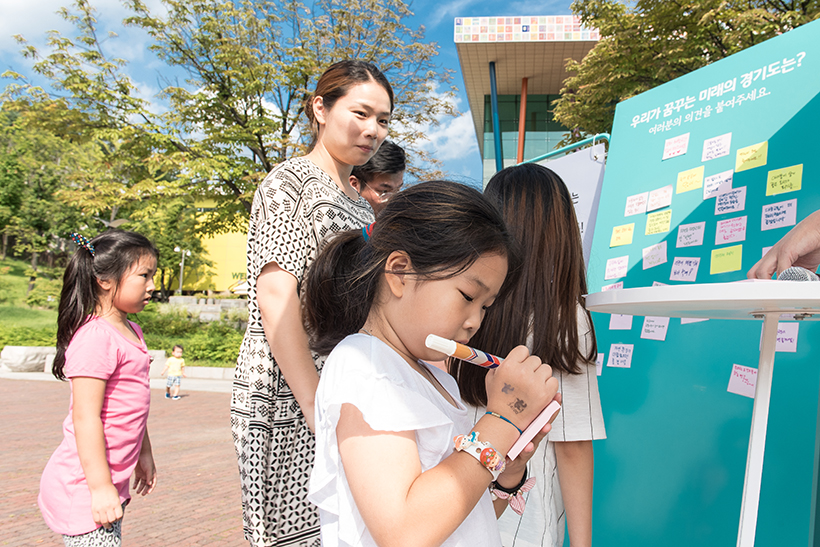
column 460, row 351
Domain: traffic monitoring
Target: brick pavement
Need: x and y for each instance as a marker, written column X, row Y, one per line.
column 196, row 501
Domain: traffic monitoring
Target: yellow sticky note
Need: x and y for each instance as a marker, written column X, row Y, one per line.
column 726, row 259
column 690, row 180
column 622, row 235
column 788, row 179
column 752, row 156
column 658, row 223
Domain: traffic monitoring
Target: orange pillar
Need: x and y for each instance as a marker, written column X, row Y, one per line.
column 522, row 121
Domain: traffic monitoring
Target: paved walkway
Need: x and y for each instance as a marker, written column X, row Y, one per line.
column 196, row 501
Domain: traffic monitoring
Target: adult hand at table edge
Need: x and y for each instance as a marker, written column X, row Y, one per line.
column 800, row 247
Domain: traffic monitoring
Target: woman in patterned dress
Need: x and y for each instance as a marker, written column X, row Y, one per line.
column 300, row 202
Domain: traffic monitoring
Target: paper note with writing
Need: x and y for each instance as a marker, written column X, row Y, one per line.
column 658, row 223
column 636, row 204
column 691, row 235
column 687, row 320
column 612, row 287
column 620, row 355
column 778, row 215
column 727, row 259
column 751, row 156
column 788, row 179
column 599, row 363
column 716, row 147
column 616, row 267
column 659, row 284
column 764, row 251
column 732, row 201
column 690, row 180
column 662, row 197
column 717, row 184
column 654, row 328
column 622, row 235
column 620, row 322
column 676, row 146
column 731, row 230
column 654, row 255
column 786, row 337
column 743, row 381
column 684, row 269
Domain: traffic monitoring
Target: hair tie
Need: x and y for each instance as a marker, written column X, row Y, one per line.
column 83, row 242
column 367, row 231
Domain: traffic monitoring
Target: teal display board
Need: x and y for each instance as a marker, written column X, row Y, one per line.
column 708, row 170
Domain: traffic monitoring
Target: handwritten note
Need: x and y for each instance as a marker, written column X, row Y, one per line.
column 684, row 269
column 690, row 180
column 658, row 223
column 620, row 322
column 732, row 201
column 613, row 286
column 676, row 146
column 599, row 363
column 743, row 381
column 616, row 267
column 654, row 328
column 687, row 320
column 716, row 147
column 788, row 179
column 751, row 156
column 732, row 230
column 620, row 355
column 659, row 284
column 786, row 337
column 778, row 215
column 662, row 197
column 636, row 204
column 717, row 184
column 690, row 235
column 727, row 259
column 654, row 255
column 622, row 235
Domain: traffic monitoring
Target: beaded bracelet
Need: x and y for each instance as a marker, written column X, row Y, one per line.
column 497, row 415
column 485, row 453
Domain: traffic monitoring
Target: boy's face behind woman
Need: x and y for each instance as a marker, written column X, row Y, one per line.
column 177, row 352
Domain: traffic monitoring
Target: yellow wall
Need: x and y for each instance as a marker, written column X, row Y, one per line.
column 227, row 252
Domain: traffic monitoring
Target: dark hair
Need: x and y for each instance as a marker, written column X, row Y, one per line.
column 538, row 209
column 388, row 159
column 337, row 80
column 444, row 227
column 178, row 346
column 115, row 252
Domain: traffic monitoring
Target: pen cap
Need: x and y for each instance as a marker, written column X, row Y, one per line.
column 437, row 343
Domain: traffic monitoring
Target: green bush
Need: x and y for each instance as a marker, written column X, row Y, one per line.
column 26, row 336
column 45, row 294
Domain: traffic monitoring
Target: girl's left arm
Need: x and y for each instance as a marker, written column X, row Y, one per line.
column 575, row 470
column 145, row 474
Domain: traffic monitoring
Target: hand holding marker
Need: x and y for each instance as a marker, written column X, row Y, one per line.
column 487, row 360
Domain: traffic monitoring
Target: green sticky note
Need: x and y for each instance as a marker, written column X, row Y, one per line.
column 690, row 180
column 752, row 156
column 622, row 235
column 726, row 259
column 788, row 179
column 658, row 223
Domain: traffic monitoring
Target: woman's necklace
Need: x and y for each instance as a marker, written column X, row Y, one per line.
column 367, row 332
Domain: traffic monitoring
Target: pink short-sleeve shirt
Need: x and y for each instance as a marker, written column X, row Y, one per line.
column 98, row 350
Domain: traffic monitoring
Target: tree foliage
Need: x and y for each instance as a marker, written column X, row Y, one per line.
column 650, row 42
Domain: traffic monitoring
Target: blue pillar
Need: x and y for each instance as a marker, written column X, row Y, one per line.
column 499, row 154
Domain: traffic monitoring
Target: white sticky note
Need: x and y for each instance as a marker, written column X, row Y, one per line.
column 786, row 337
column 636, row 204
column 654, row 255
column 676, row 146
column 659, row 284
column 684, row 269
column 620, row 322
column 743, row 381
column 687, row 320
column 765, row 250
column 620, row 355
column 654, row 328
column 616, row 267
column 778, row 215
column 662, row 197
column 731, row 230
column 599, row 363
column 716, row 147
column 717, row 184
column 732, row 201
column 613, row 286
column 691, row 235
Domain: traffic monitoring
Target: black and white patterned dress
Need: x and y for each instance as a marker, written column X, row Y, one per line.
column 294, row 209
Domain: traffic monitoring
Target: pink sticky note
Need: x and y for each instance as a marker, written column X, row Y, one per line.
column 732, row 201
column 654, row 328
column 716, row 147
column 743, row 381
column 690, row 235
column 676, row 146
column 685, row 269
column 620, row 355
column 786, row 337
column 717, row 184
column 662, row 197
column 599, row 363
column 654, row 255
column 636, row 204
column 687, row 320
column 613, row 286
column 778, row 215
column 616, row 267
column 620, row 322
column 731, row 230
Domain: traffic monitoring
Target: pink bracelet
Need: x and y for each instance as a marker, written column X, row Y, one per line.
column 516, row 499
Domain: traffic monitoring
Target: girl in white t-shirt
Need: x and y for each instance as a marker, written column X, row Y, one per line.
column 388, row 470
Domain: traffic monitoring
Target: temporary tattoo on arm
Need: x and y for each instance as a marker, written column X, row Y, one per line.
column 518, row 406
column 507, row 388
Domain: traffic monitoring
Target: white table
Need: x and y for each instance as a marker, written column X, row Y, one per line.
column 750, row 300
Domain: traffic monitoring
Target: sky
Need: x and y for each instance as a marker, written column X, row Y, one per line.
column 453, row 141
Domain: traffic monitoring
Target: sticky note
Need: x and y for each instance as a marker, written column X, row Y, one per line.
column 690, row 235
column 687, row 320
column 778, row 215
column 599, row 363
column 654, row 328
column 620, row 355
column 676, row 146
column 685, row 269
column 620, row 322
column 662, row 197
column 786, row 337
column 764, row 251
column 732, row 230
column 658, row 223
column 743, row 381
column 636, row 204
column 654, row 255
column 659, row 284
column 732, row 201
column 727, row 259
column 616, row 267
column 690, row 180
column 751, row 156
column 717, row 184
column 716, row 147
column 622, row 235
column 788, row 179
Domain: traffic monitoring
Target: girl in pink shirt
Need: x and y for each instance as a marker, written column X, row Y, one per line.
column 84, row 488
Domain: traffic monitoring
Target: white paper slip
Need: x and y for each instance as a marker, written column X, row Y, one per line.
column 620, row 322
column 743, row 381
column 654, row 328
column 620, row 355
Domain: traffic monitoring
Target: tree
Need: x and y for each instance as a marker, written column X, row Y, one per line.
column 650, row 42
